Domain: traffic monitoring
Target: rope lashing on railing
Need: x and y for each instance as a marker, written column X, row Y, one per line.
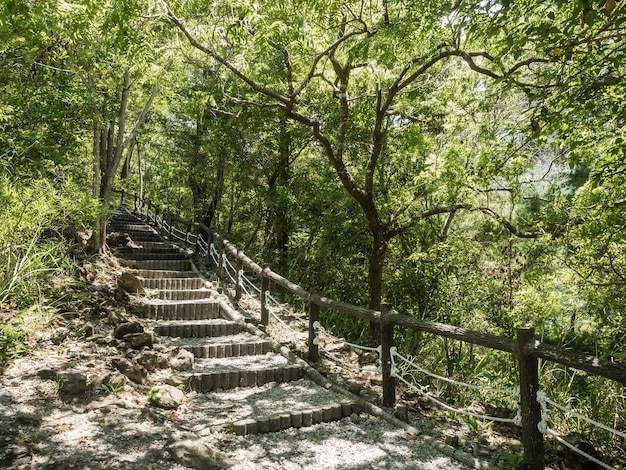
column 395, row 373
column 452, row 381
column 571, row 413
column 258, row 290
column 318, row 328
column 573, row 448
column 544, row 426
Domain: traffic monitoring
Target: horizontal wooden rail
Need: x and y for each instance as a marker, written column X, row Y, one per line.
column 455, row 332
column 525, row 347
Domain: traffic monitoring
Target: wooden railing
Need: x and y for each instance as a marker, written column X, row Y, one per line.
column 525, row 346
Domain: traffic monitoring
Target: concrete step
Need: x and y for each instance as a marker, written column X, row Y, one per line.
column 194, row 310
column 173, row 284
column 134, row 226
column 242, row 344
column 151, row 255
column 242, row 371
column 199, row 329
column 190, row 294
column 294, row 404
column 160, row 249
column 165, row 274
column 159, row 265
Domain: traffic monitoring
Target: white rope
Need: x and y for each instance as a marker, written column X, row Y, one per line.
column 452, row 381
column 251, row 284
column 214, row 255
column 577, row 450
column 569, row 413
column 395, row 373
column 225, row 265
column 352, row 345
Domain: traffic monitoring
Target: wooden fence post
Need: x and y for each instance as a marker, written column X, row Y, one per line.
column 265, row 285
column 148, row 211
column 122, row 198
column 220, row 262
column 386, row 341
column 529, row 406
column 239, row 275
column 135, row 204
column 314, row 315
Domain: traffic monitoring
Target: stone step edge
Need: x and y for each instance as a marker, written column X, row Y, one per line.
column 199, row 330
column 224, row 350
column 229, row 379
column 292, row 419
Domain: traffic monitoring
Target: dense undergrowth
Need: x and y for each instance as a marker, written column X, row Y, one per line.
column 42, row 235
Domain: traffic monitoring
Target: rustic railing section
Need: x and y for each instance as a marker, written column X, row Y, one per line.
column 525, row 347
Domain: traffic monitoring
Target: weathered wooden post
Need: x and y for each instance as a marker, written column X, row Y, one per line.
column 135, row 204
column 265, row 285
column 148, row 211
column 529, row 406
column 239, row 275
column 314, row 315
column 220, row 261
column 386, row 341
column 122, row 199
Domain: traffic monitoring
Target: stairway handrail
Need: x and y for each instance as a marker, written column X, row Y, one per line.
column 527, row 349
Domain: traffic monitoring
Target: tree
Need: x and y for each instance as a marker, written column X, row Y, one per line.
column 358, row 77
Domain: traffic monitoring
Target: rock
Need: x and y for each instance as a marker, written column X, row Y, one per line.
column 369, row 357
column 117, row 239
column 199, row 455
column 131, row 283
column 6, row 398
column 183, row 360
column 47, row 374
column 167, row 397
column 27, row 419
column 87, row 330
column 134, row 372
column 152, row 361
column 127, row 328
column 59, row 335
column 72, row 382
column 139, row 340
column 176, row 379
column 402, row 413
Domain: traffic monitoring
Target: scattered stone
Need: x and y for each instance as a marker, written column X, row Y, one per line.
column 151, row 361
column 59, row 335
column 5, row 398
column 139, row 340
column 131, row 283
column 176, row 379
column 402, row 413
column 452, row 440
column 72, row 382
column 87, row 330
column 127, row 328
column 167, row 397
column 117, row 239
column 183, row 360
column 47, row 374
column 199, row 455
column 369, row 357
column 134, row 372
column 27, row 419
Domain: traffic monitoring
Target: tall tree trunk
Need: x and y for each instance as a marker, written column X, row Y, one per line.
column 376, row 267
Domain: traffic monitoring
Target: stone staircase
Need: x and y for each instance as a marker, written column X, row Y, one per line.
column 231, row 355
